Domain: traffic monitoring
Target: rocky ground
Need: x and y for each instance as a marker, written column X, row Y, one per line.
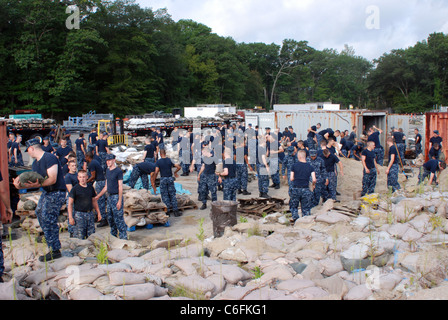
column 382, row 247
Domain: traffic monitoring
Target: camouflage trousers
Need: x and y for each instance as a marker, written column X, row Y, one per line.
column 317, row 193
column 168, row 193
column 80, row 159
column 368, row 182
column 302, row 197
column 102, row 202
column 84, row 224
column 230, row 185
column 150, row 160
column 311, row 144
column 137, row 174
column 263, row 179
column 418, row 149
column 392, row 178
column 275, row 171
column 423, row 174
column 290, row 160
column 242, row 175
column 379, row 156
column 329, row 192
column 208, row 183
column 47, row 211
column 115, row 217
column 401, row 149
column 102, row 156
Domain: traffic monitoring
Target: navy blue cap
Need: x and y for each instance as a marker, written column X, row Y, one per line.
column 313, row 152
column 32, row 142
column 110, row 156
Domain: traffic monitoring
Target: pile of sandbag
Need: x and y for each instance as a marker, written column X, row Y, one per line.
column 141, row 200
column 28, row 201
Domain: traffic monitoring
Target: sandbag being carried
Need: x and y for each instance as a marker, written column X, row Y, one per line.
column 30, row 176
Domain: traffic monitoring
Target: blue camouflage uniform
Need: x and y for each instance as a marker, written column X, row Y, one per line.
column 290, row 159
column 141, row 171
column 242, row 172
column 263, row 177
column 299, row 191
column 392, row 177
column 85, row 224
column 230, row 182
column 51, row 200
column 330, row 190
column 80, row 157
column 321, row 175
column 369, row 179
column 115, row 217
column 167, row 188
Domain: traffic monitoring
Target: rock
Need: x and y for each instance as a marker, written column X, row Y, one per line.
column 298, row 267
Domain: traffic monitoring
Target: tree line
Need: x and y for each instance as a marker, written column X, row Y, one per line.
column 125, row 59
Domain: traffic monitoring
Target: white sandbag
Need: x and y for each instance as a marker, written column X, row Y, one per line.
column 196, row 284
column 138, row 264
column 117, row 255
column 64, row 262
column 136, row 291
column 126, row 278
column 231, row 273
column 360, row 292
column 22, row 255
column 10, row 290
column 85, row 293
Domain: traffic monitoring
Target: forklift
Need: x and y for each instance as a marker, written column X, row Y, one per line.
column 115, row 130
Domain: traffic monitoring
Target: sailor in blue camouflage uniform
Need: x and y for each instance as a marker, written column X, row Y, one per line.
column 80, row 207
column 273, row 149
column 80, row 146
column 330, row 185
column 299, row 192
column 319, row 168
column 394, row 167
column 167, row 189
column 290, row 159
column 370, row 171
column 16, row 154
column 115, row 202
column 400, row 141
column 207, row 178
column 102, row 150
column 5, row 200
column 52, row 198
column 98, row 179
column 71, row 180
column 374, row 135
column 230, row 182
column 142, row 171
column 263, row 169
column 242, row 166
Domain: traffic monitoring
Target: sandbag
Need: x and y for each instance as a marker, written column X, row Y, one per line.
column 30, row 176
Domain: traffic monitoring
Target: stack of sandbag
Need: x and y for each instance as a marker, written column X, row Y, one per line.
column 141, row 200
column 143, row 208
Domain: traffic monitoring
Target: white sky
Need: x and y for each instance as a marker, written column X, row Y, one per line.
column 323, row 23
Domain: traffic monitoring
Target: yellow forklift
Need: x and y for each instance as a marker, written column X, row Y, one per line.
column 115, row 130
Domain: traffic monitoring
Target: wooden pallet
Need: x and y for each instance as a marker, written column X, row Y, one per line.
column 139, row 213
column 193, row 207
column 260, row 206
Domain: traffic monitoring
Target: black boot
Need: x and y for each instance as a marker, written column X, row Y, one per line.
column 265, row 196
column 277, row 186
column 239, row 191
column 50, row 256
column 246, row 193
column 204, row 206
column 178, row 213
column 103, row 223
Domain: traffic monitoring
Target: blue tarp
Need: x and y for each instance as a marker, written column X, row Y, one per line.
column 139, row 185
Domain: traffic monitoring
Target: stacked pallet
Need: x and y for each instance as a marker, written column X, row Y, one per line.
column 260, row 206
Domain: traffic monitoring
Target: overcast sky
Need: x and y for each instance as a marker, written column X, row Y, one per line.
column 371, row 27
